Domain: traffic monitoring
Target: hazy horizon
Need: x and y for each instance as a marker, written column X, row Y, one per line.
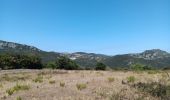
column 93, row 26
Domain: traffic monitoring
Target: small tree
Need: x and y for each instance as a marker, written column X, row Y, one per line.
column 66, row 63
column 140, row 67
column 100, row 66
column 51, row 65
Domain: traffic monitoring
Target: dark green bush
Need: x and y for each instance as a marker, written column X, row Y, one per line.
column 66, row 63
column 100, row 66
column 140, row 67
column 51, row 65
column 11, row 61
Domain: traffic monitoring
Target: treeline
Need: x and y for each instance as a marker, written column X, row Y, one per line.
column 19, row 61
column 68, row 64
column 15, row 61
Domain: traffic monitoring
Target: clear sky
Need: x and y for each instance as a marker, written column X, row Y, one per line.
column 99, row 26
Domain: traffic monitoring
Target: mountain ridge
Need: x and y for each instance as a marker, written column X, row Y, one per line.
column 148, row 57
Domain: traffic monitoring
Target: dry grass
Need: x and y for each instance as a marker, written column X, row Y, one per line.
column 77, row 85
column 81, row 86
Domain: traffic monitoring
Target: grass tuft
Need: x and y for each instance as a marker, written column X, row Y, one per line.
column 18, row 98
column 131, row 79
column 81, row 86
column 52, row 81
column 39, row 79
column 111, row 79
column 17, row 88
column 62, row 84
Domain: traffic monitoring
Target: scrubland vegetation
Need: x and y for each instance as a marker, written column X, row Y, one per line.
column 51, row 84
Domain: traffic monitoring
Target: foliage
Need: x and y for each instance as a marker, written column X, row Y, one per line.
column 9, row 61
column 140, row 67
column 66, row 63
column 100, row 66
column 51, row 65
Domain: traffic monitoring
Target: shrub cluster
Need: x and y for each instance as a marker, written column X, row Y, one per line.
column 18, row 61
column 100, row 66
column 140, row 67
column 63, row 63
column 66, row 63
column 11, row 61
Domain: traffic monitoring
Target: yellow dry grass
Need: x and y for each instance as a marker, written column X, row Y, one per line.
column 100, row 85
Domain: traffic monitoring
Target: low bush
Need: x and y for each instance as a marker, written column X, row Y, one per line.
column 51, row 65
column 100, row 66
column 67, row 64
column 140, row 67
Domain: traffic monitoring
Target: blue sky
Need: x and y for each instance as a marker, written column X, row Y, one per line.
column 99, row 26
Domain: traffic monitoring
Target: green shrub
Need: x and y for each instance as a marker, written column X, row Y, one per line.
column 19, row 61
column 131, row 79
column 140, row 67
column 51, row 65
column 66, row 63
column 16, row 88
column 81, row 86
column 100, row 66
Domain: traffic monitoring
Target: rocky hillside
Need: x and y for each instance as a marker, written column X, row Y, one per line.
column 156, row 58
column 15, row 46
column 152, row 54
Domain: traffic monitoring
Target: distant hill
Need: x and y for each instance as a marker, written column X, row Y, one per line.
column 156, row 58
column 152, row 54
column 15, row 48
